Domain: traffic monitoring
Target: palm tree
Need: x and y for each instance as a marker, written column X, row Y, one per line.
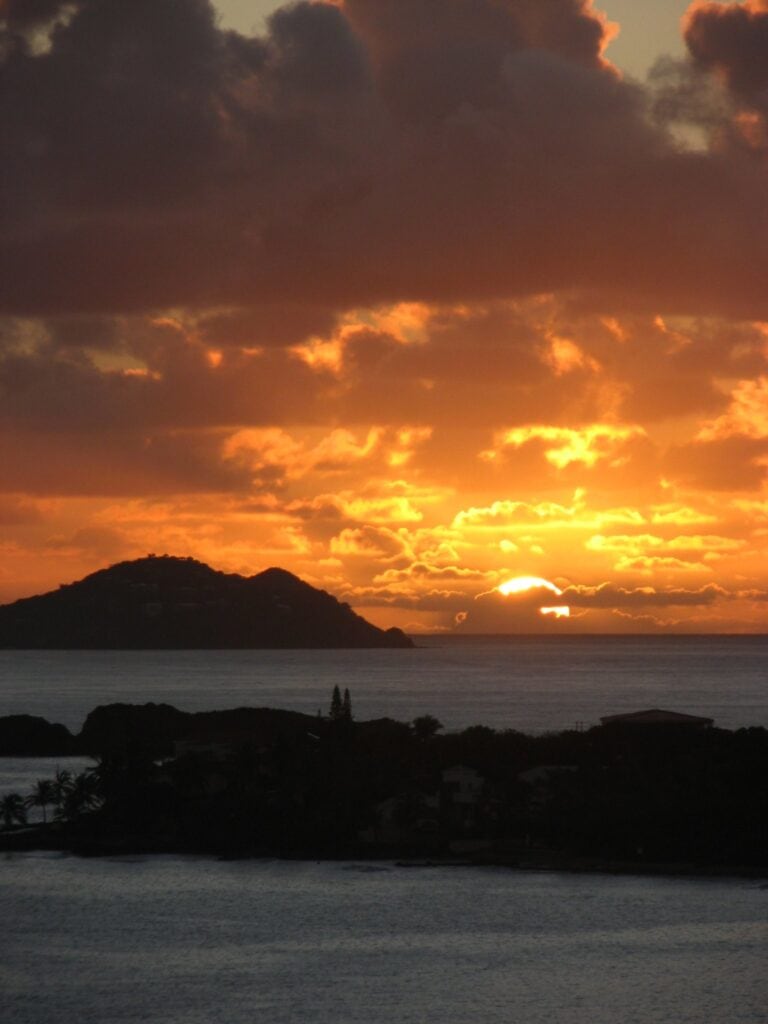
column 81, row 796
column 43, row 794
column 62, row 783
column 107, row 775
column 12, row 811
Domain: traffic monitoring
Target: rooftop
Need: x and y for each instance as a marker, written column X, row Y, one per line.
column 656, row 716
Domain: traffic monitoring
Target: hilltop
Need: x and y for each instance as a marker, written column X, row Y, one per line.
column 163, row 602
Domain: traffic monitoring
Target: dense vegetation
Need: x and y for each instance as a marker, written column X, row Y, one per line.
column 259, row 781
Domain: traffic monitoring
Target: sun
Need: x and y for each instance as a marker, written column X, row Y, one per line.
column 521, row 584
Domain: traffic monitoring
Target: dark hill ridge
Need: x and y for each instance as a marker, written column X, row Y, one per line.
column 154, row 728
column 162, row 602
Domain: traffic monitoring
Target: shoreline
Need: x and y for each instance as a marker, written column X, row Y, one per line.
column 40, row 839
column 649, row 793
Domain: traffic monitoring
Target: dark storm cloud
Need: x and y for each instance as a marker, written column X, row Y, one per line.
column 41, row 392
column 21, row 15
column 732, row 40
column 142, row 151
column 433, row 57
column 378, row 151
column 266, row 325
column 88, row 332
column 115, row 463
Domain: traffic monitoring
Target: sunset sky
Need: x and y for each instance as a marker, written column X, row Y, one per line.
column 409, row 297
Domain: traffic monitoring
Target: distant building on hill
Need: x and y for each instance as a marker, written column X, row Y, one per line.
column 655, row 716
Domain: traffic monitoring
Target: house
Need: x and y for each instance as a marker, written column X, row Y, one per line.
column 460, row 793
column 409, row 817
column 541, row 782
column 543, row 773
column 462, row 785
column 655, row 716
column 219, row 745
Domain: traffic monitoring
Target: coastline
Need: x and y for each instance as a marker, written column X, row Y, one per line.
column 50, row 839
column 653, row 792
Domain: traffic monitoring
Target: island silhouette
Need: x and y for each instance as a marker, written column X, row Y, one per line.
column 165, row 602
column 655, row 792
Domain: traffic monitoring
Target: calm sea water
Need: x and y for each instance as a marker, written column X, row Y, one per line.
column 528, row 683
column 185, row 941
column 533, row 684
column 171, row 940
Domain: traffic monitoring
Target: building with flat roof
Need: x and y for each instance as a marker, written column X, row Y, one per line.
column 656, row 716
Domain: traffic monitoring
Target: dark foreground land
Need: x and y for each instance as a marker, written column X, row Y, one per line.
column 262, row 782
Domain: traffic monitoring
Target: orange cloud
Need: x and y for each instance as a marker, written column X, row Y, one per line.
column 505, row 515
column 643, row 542
column 647, row 565
column 421, row 571
column 680, row 515
column 647, row 553
column 367, row 542
column 608, row 595
column 747, row 415
column 565, row 356
column 439, row 230
column 585, row 445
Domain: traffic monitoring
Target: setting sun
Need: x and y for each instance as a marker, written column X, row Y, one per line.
column 522, row 584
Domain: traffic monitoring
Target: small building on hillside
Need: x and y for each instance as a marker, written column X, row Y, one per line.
column 218, row 745
column 656, row 716
column 461, row 785
column 461, row 790
column 410, row 818
column 542, row 774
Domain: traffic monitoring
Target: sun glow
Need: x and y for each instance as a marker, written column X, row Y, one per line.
column 522, row 584
column 560, row 611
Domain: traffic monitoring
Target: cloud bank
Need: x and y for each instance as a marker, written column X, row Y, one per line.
column 358, row 154
column 410, row 297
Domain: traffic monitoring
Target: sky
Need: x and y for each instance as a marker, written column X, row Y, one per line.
column 649, row 29
column 410, row 297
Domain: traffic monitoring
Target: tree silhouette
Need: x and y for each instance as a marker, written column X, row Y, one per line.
column 81, row 796
column 62, row 783
column 336, row 705
column 425, row 727
column 43, row 794
column 13, row 811
column 346, row 707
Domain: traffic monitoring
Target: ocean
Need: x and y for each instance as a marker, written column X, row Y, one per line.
column 185, row 940
column 182, row 940
column 533, row 684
